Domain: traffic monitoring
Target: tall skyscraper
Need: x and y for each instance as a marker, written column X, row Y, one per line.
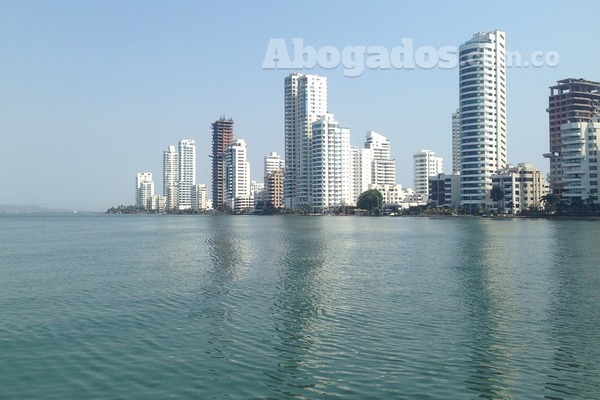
column 383, row 167
column 237, row 175
column 305, row 98
column 222, row 137
column 571, row 100
column 425, row 164
column 331, row 174
column 187, row 173
column 456, row 143
column 482, row 88
column 144, row 190
column 170, row 176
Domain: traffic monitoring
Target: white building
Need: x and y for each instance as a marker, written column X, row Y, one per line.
column 238, row 176
column 362, row 169
column 273, row 162
column 482, row 88
column 331, row 170
column 305, row 101
column 187, row 173
column 144, row 190
column 170, row 176
column 383, row 167
column 456, row 143
column 159, row 203
column 579, row 156
column 199, row 197
column 425, row 164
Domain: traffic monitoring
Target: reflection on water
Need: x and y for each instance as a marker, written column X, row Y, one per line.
column 299, row 307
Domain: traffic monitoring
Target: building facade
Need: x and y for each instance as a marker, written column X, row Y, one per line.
column 523, row 187
column 571, row 100
column 362, row 167
column 444, row 190
column 383, row 167
column 222, row 137
column 482, row 113
column 456, row 143
column 237, row 176
column 200, row 197
column 170, row 176
column 331, row 175
column 305, row 100
column 274, row 167
column 579, row 160
column 144, row 190
column 425, row 164
column 187, row 173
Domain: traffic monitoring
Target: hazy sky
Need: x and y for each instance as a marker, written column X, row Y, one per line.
column 92, row 92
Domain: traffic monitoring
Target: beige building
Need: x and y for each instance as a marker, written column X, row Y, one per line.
column 523, row 187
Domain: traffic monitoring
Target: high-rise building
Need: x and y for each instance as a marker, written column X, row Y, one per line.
column 305, row 98
column 237, row 176
column 187, row 173
column 482, row 88
column 362, row 165
column 456, row 143
column 579, row 160
column 273, row 179
column 383, row 167
column 425, row 164
column 170, row 176
column 571, row 100
column 199, row 197
column 331, row 170
column 222, row 137
column 144, row 190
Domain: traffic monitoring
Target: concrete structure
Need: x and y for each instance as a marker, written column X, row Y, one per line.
column 159, row 203
column 305, row 98
column 456, row 143
column 200, row 197
column 571, row 100
column 444, row 190
column 273, row 162
column 237, row 168
column 187, row 173
column 362, row 160
column 383, row 167
column 579, row 160
column 170, row 176
column 144, row 190
column 482, row 91
column 425, row 164
column 274, row 188
column 222, row 137
column 331, row 183
column 523, row 187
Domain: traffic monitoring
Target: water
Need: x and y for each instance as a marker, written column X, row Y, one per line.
column 155, row 307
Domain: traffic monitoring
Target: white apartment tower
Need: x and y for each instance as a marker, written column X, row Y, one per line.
column 425, row 164
column 170, row 176
column 144, row 190
column 579, row 156
column 305, row 98
column 362, row 167
column 237, row 175
column 383, row 167
column 187, row 173
column 331, row 170
column 482, row 88
column 456, row 143
column 273, row 162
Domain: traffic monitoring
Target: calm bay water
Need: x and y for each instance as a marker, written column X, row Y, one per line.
column 153, row 307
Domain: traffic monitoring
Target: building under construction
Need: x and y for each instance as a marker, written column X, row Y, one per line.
column 222, row 136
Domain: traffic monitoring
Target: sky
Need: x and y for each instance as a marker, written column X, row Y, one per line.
column 93, row 92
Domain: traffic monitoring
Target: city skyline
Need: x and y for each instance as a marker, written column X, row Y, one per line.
column 113, row 84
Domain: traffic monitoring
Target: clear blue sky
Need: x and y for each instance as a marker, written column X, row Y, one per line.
column 91, row 92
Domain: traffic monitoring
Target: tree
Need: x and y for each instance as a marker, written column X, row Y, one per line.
column 497, row 194
column 371, row 200
column 550, row 202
